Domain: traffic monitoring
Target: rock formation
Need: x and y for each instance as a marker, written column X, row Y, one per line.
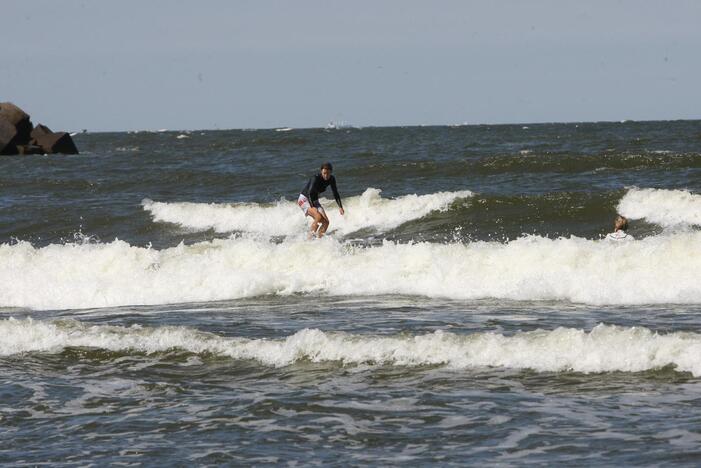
column 18, row 136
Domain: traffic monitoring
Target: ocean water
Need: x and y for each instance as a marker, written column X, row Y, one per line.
column 161, row 304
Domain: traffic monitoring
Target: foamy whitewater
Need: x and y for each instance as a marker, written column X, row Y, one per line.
column 661, row 269
column 667, row 208
column 284, row 218
column 604, row 349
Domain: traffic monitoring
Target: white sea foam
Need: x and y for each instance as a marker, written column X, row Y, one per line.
column 660, row 269
column 605, row 348
column 664, row 207
column 284, row 218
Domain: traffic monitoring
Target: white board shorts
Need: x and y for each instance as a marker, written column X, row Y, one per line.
column 619, row 236
column 305, row 204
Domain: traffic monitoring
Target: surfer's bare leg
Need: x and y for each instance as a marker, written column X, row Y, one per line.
column 324, row 224
column 317, row 220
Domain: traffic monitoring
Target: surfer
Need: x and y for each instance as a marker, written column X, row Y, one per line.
column 620, row 226
column 308, row 200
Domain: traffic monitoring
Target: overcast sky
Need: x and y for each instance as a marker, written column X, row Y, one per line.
column 127, row 65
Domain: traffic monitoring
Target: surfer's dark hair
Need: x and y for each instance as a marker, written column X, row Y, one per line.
column 327, row 165
column 621, row 223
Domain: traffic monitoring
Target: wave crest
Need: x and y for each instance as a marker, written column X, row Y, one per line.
column 284, row 218
column 666, row 208
column 605, row 348
column 660, row 269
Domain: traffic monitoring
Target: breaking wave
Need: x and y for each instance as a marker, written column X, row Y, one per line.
column 605, row 348
column 659, row 269
column 284, row 218
column 667, row 208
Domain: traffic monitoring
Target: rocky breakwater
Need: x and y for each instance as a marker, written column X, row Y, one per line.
column 19, row 136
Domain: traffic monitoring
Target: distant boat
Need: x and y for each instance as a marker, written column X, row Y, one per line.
column 284, row 129
column 334, row 125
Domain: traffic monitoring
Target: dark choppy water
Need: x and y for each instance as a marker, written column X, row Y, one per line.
column 159, row 303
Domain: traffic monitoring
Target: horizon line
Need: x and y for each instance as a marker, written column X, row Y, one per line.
column 346, row 126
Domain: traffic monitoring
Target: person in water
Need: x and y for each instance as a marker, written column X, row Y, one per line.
column 620, row 226
column 308, row 200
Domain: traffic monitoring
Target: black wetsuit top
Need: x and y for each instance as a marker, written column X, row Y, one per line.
column 316, row 185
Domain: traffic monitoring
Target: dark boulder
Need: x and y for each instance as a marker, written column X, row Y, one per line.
column 7, row 137
column 19, row 119
column 17, row 135
column 40, row 130
column 54, row 142
column 29, row 149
